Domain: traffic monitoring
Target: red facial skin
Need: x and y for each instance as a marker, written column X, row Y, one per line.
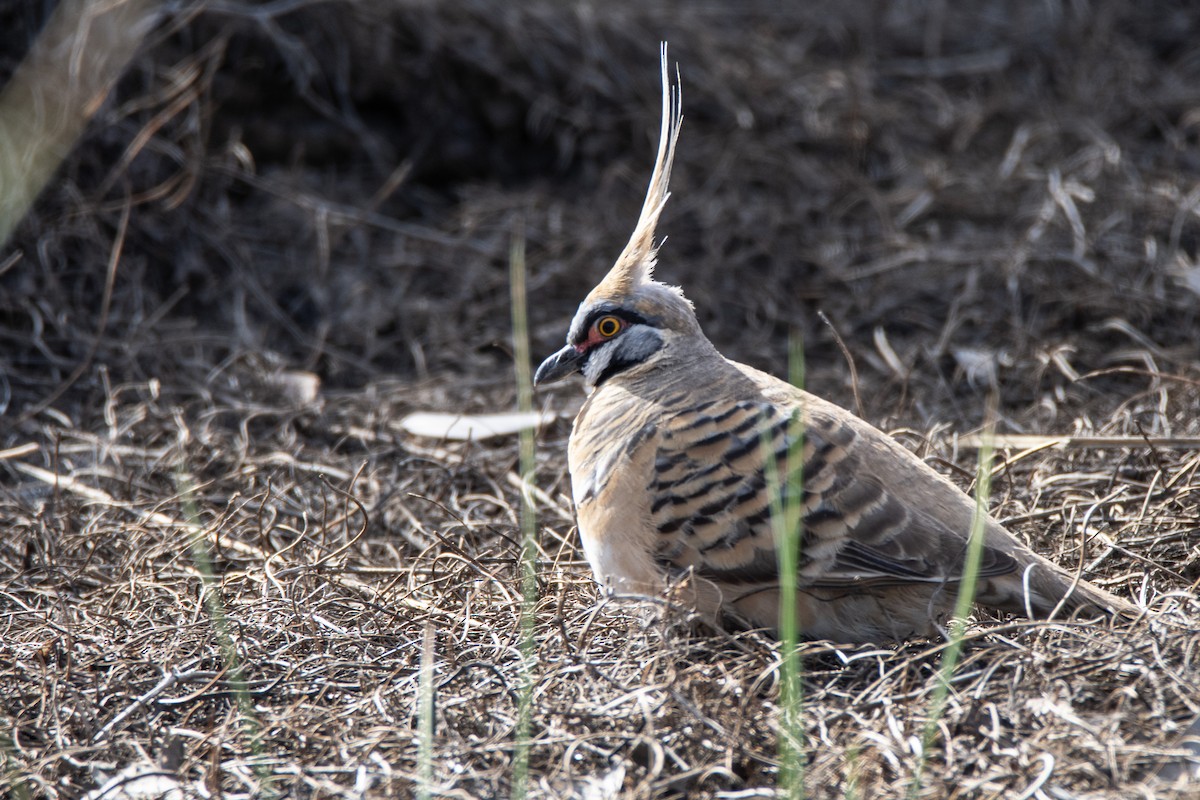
column 594, row 338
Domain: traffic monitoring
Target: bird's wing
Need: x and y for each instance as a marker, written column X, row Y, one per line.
column 715, row 500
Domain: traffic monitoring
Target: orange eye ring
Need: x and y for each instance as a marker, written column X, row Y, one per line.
column 608, row 327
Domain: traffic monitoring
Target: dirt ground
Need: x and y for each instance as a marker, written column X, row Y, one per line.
column 224, row 560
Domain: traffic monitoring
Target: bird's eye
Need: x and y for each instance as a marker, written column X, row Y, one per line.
column 608, row 327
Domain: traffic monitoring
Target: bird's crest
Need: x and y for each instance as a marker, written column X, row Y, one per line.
column 636, row 262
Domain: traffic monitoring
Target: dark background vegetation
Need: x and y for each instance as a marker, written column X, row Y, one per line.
column 982, row 197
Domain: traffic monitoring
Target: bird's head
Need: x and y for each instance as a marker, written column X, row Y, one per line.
column 630, row 319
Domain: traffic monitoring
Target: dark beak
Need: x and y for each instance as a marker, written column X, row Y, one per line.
column 558, row 366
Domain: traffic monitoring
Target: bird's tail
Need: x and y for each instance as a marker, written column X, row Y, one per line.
column 1040, row 590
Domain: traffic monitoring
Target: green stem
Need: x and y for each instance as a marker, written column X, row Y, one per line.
column 214, row 604
column 964, row 603
column 528, row 521
column 786, row 496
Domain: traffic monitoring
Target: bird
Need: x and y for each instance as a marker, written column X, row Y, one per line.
column 678, row 458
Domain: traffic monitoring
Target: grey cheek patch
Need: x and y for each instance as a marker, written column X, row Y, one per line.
column 627, row 350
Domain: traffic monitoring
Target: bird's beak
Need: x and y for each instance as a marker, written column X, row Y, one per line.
column 558, row 366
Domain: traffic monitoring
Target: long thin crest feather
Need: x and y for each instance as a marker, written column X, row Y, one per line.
column 636, row 262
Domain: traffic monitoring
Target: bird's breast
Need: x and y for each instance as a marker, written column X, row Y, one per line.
column 611, row 455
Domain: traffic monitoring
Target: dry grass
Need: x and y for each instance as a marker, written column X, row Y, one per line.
column 978, row 199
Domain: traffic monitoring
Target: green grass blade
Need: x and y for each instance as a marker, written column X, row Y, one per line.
column 425, row 717
column 786, row 502
column 12, row 782
column 528, row 518
column 964, row 602
column 214, row 605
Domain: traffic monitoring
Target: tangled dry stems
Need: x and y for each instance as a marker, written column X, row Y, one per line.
column 978, row 203
column 336, row 543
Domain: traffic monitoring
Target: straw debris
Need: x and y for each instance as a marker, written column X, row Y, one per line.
column 288, row 228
